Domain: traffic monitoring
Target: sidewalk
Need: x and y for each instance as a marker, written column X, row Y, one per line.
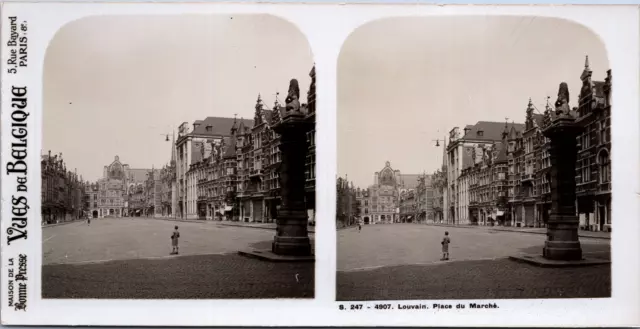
column 64, row 223
column 263, row 226
column 529, row 230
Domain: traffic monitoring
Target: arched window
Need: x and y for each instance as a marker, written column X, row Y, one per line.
column 605, row 166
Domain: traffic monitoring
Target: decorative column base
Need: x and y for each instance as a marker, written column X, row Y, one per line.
column 292, row 238
column 562, row 238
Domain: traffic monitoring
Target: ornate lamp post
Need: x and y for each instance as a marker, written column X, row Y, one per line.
column 562, row 230
column 292, row 237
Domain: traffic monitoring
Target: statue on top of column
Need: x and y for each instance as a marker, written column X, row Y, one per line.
column 292, row 100
column 562, row 104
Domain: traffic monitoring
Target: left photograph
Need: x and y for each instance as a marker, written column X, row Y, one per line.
column 178, row 159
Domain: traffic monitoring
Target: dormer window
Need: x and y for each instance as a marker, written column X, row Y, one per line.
column 209, row 128
column 480, row 133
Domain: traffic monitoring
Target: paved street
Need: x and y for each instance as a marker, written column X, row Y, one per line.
column 129, row 258
column 402, row 261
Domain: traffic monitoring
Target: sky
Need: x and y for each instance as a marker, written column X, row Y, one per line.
column 405, row 82
column 117, row 85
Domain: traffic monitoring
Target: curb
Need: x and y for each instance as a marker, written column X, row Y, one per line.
column 489, row 228
column 220, row 223
column 544, row 233
column 63, row 223
column 259, row 227
column 540, row 261
column 182, row 220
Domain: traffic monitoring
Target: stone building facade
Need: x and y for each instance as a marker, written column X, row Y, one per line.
column 480, row 187
column 310, row 162
column 236, row 174
column 109, row 196
column 438, row 187
column 62, row 193
column 487, row 178
column 593, row 167
column 380, row 202
column 346, row 203
column 194, row 144
column 460, row 155
column 91, row 192
column 408, row 206
column 524, row 165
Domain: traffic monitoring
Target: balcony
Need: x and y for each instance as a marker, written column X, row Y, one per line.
column 604, row 188
column 527, row 177
column 586, row 188
column 255, row 172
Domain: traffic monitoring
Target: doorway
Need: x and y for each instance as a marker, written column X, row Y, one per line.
column 94, row 214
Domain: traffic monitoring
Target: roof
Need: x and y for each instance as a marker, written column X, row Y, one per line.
column 599, row 88
column 230, row 151
column 410, row 181
column 219, row 126
column 538, row 119
column 139, row 175
column 491, row 131
column 502, row 153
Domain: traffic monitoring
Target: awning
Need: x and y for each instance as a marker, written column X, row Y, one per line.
column 409, row 217
column 228, row 208
column 499, row 213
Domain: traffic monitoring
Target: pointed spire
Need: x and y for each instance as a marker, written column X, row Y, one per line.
column 505, row 132
column 529, row 118
column 257, row 120
column 548, row 105
column 586, row 73
column 234, row 128
column 275, row 117
column 586, row 63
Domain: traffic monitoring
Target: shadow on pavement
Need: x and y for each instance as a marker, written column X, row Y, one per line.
column 183, row 277
column 600, row 251
column 499, row 279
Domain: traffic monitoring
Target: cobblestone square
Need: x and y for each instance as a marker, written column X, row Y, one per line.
column 402, row 261
column 130, row 258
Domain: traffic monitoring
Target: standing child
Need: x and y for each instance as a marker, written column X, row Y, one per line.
column 174, row 241
column 445, row 246
column 359, row 225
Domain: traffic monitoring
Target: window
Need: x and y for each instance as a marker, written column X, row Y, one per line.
column 604, row 133
column 585, row 141
column 605, row 167
column 585, row 171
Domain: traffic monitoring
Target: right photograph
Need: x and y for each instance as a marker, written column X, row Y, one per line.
column 473, row 160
